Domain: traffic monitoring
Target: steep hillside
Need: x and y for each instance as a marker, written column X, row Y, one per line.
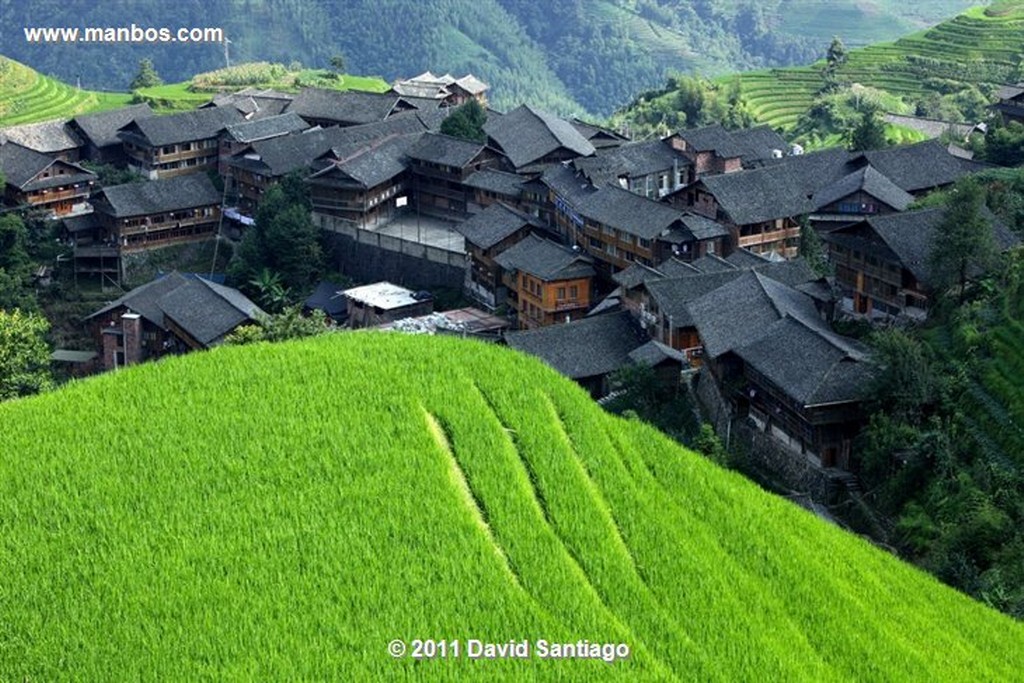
column 27, row 96
column 285, row 512
column 980, row 48
column 592, row 55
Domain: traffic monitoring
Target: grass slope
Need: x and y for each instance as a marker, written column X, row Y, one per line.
column 981, row 45
column 283, row 512
column 27, row 96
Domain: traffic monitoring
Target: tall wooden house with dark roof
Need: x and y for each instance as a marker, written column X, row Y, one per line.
column 488, row 234
column 548, row 283
column 160, row 212
column 238, row 136
column 882, row 263
column 651, row 168
column 323, row 107
column 363, row 185
column 713, row 150
column 778, row 363
column 99, row 133
column 41, row 181
column 864, row 192
column 440, row 165
column 177, row 144
column 532, row 139
column 490, row 186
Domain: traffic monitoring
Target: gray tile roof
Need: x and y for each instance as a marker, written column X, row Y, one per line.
column 328, row 297
column 349, row 107
column 445, row 150
column 631, row 160
column 199, row 124
column 87, row 222
column 637, row 274
column 920, row 166
column 713, row 138
column 712, row 263
column 674, row 296
column 598, row 136
column 750, row 144
column 159, row 196
column 868, row 180
column 526, row 135
column 809, row 364
column 207, row 311
column 498, row 182
column 760, row 195
column 629, row 213
column 585, row 348
column 1010, row 92
column 101, row 128
column 19, row 165
column 269, row 127
column 47, row 137
column 370, row 164
column 744, row 258
column 545, row 259
column 931, row 127
column 567, row 183
column 472, row 84
column 493, row 224
column 654, row 352
column 143, row 300
column 738, row 312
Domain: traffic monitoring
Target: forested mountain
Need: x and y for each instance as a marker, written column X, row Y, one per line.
column 568, row 55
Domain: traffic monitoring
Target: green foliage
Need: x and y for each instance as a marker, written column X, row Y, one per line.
column 110, row 175
column 284, row 241
column 964, row 240
column 708, row 444
column 24, row 354
column 812, row 250
column 146, row 77
column 338, row 63
column 869, row 132
column 694, row 102
column 466, row 122
column 15, row 264
column 288, row 324
column 1004, row 145
column 835, row 58
column 376, row 486
column 647, row 397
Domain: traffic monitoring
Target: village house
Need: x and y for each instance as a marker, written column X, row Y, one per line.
column 172, row 314
column 863, row 192
column 329, row 298
column 176, row 144
column 532, row 139
column 238, row 136
column 44, row 182
column 98, row 132
column 591, row 350
column 157, row 213
column 364, row 186
column 488, row 234
column 713, row 150
column 775, row 361
column 253, row 103
column 598, row 136
column 547, row 282
column 651, row 169
column 882, row 263
column 1011, row 103
column 440, row 165
column 490, row 186
column 322, row 107
column 447, row 90
column 53, row 138
column 382, row 303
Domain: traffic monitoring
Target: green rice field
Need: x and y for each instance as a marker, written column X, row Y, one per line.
column 286, row 512
column 27, row 96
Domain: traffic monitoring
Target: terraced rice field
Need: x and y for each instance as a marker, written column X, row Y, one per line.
column 286, row 512
column 983, row 45
column 27, row 96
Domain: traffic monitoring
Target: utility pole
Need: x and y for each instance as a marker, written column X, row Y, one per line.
column 227, row 57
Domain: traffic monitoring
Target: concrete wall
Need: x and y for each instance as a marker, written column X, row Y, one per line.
column 368, row 256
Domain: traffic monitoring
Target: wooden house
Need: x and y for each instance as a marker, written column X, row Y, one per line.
column 160, row 212
column 440, row 165
column 447, row 90
column 651, row 169
column 323, row 107
column 176, row 144
column 44, row 182
column 547, row 283
column 172, row 314
column 713, row 150
column 489, row 186
column 532, row 139
column 1011, row 103
column 488, row 234
column 238, row 136
column 99, row 133
column 882, row 263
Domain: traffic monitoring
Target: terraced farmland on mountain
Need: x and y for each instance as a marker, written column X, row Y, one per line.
column 983, row 45
column 27, row 96
column 284, row 511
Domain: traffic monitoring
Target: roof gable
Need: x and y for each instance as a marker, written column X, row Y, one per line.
column 159, row 196
column 527, row 135
column 545, row 259
column 200, row 124
column 101, row 128
column 494, row 224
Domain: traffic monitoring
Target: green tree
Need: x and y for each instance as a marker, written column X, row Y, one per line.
column 338, row 65
column 708, row 443
column 835, row 59
column 812, row 250
column 466, row 122
column 964, row 240
column 24, row 354
column 283, row 241
column 15, row 265
column 1004, row 145
column 272, row 294
column 869, row 133
column 288, row 324
column 146, row 77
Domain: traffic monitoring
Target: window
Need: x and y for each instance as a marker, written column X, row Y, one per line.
column 574, row 292
column 561, row 293
column 644, row 243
